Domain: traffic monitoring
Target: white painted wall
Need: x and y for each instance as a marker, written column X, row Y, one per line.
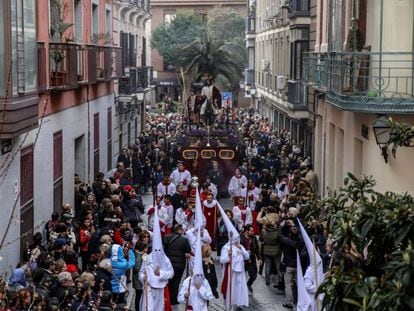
column 73, row 122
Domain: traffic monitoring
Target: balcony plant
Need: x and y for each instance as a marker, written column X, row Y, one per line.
column 58, row 28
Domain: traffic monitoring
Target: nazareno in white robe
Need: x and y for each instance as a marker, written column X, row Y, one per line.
column 240, row 295
column 198, row 297
column 156, row 284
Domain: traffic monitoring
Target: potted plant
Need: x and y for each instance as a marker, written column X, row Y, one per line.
column 58, row 28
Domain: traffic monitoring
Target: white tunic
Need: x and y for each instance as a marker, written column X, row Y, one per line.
column 310, row 286
column 198, row 297
column 238, row 217
column 182, row 219
column 183, row 177
column 156, row 284
column 252, row 197
column 162, row 189
column 239, row 294
column 191, row 236
column 166, row 216
column 235, row 186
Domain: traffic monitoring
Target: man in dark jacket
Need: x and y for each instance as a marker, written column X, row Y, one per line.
column 271, row 250
column 178, row 200
column 131, row 208
column 251, row 244
column 177, row 250
column 216, row 176
column 291, row 241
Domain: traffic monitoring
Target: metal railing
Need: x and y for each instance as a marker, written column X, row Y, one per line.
column 63, row 65
column 67, row 65
column 138, row 77
column 363, row 78
column 297, row 94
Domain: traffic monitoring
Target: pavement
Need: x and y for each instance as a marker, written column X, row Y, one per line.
column 263, row 298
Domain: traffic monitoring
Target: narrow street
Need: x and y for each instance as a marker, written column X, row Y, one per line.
column 263, row 298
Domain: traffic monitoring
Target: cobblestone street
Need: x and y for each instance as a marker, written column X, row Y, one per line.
column 263, row 298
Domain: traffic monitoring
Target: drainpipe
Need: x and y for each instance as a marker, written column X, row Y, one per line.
column 89, row 135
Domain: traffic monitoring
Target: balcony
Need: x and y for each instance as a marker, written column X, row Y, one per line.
column 249, row 76
column 297, row 95
column 364, row 81
column 136, row 78
column 72, row 65
column 63, row 58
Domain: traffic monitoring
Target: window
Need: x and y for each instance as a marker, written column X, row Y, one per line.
column 109, row 140
column 95, row 22
column 57, row 155
column 202, row 14
column 168, row 17
column 58, row 172
column 2, row 69
column 78, row 21
column 23, row 24
column 108, row 22
column 96, row 143
column 26, row 175
column 299, row 45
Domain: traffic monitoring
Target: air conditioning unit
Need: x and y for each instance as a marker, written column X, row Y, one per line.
column 281, row 82
column 265, row 65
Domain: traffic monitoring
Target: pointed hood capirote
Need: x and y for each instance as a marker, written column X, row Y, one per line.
column 199, row 216
column 229, row 226
column 198, row 273
column 158, row 254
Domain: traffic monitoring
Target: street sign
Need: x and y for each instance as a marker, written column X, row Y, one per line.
column 227, row 99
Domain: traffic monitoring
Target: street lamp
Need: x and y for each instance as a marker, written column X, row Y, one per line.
column 140, row 93
column 382, row 131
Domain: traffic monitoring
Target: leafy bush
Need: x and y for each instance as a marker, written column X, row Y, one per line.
column 373, row 244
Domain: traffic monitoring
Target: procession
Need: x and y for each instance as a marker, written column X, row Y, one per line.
column 214, row 155
column 183, row 250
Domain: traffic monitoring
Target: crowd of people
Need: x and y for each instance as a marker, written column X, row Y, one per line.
column 90, row 253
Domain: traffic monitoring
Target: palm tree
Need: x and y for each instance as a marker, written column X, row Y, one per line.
column 212, row 57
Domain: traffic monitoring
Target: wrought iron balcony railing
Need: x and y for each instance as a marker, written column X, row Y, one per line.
column 297, row 95
column 136, row 78
column 364, row 81
column 63, row 58
column 72, row 65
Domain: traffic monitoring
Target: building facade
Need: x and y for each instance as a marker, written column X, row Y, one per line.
column 60, row 62
column 133, row 92
column 165, row 77
column 361, row 68
column 278, row 32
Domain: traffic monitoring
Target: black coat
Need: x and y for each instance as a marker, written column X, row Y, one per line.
column 131, row 209
column 211, row 276
column 254, row 248
column 290, row 243
column 104, row 277
column 176, row 246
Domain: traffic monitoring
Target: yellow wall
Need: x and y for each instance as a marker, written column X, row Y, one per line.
column 340, row 148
